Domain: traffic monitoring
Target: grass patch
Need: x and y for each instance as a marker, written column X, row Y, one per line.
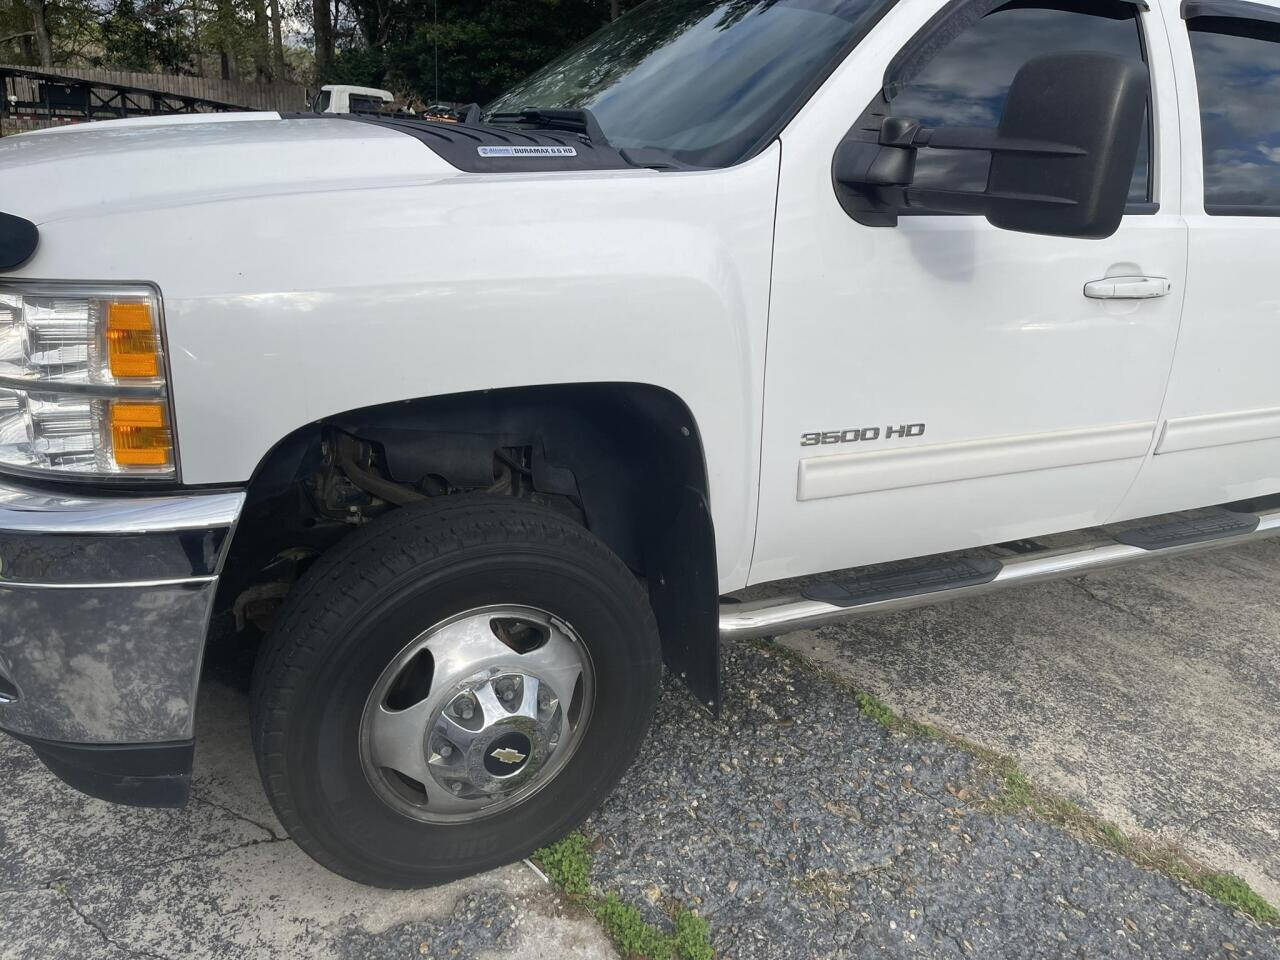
column 630, row 932
column 692, row 940
column 877, row 711
column 1112, row 835
column 1230, row 889
column 1017, row 794
column 568, row 864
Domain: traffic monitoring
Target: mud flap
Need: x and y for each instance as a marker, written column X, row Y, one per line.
column 686, row 601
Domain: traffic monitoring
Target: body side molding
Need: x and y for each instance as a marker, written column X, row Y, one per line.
column 853, row 473
column 1218, row 430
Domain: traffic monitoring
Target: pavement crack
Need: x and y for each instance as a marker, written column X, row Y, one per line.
column 239, row 816
column 1228, row 812
column 1110, row 604
column 169, row 861
column 93, row 924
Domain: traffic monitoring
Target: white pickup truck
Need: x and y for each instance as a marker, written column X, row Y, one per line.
column 481, row 423
column 344, row 98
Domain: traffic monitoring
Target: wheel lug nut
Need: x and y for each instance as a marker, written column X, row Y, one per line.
column 455, row 787
column 446, row 750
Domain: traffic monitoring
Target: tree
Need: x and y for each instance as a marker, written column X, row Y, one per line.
column 151, row 37
column 224, row 30
column 260, row 42
column 460, row 50
column 48, row 32
column 456, row 50
column 278, row 70
column 322, row 28
column 17, row 38
column 40, row 28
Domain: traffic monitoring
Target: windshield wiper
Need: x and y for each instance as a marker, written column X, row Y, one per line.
column 654, row 158
column 580, row 120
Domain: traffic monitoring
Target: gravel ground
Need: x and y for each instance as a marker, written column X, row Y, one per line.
column 798, row 827
column 801, row 829
column 1150, row 695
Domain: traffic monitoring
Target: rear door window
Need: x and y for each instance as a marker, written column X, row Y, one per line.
column 1238, row 78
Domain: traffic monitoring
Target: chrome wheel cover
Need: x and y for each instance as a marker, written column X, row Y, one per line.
column 476, row 714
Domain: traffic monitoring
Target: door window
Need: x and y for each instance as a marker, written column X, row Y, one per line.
column 1238, row 76
column 967, row 82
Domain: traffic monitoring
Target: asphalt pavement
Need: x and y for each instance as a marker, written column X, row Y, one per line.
column 797, row 826
column 1149, row 694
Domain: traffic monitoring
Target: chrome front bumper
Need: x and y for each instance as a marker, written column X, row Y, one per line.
column 104, row 608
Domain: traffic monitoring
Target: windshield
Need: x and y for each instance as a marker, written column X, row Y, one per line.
column 703, row 80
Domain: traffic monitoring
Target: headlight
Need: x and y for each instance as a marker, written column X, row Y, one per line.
column 82, row 381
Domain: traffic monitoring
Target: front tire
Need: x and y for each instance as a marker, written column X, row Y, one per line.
column 451, row 688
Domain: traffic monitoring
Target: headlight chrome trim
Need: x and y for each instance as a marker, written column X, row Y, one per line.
column 97, row 390
column 160, row 391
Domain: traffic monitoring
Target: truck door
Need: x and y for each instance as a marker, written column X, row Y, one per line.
column 1220, row 428
column 943, row 384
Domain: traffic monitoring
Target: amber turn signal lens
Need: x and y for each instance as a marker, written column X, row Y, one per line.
column 140, row 435
column 133, row 347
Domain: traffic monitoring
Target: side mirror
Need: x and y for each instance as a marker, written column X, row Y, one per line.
column 1062, row 157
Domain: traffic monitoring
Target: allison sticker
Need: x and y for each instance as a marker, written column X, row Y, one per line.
column 527, row 151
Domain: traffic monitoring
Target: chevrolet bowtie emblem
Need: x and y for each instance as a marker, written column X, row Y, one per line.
column 507, row 755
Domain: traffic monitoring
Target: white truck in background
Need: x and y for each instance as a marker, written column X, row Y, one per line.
column 344, row 98
column 477, row 424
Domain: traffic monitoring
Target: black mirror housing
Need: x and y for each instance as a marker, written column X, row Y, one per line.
column 1062, row 157
column 1091, row 101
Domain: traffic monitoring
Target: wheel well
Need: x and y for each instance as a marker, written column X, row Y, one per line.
column 625, row 460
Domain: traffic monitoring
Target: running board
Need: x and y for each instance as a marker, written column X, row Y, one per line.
column 901, row 589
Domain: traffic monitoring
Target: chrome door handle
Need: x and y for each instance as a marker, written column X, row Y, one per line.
column 1128, row 288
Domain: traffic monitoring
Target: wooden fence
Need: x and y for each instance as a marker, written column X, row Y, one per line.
column 23, row 111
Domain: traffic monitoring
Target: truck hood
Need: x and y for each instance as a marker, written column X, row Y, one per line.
column 106, row 167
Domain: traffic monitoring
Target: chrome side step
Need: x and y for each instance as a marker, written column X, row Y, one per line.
column 901, row 590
